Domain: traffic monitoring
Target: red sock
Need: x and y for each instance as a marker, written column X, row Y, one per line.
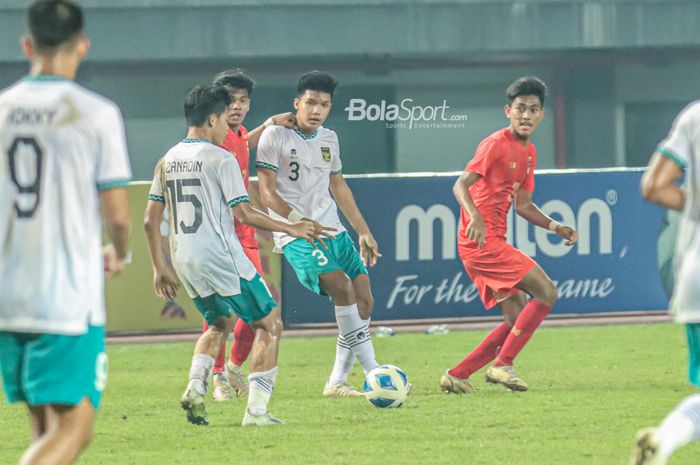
column 221, row 358
column 483, row 353
column 528, row 321
column 243, row 337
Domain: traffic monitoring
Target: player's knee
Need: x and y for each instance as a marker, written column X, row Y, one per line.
column 549, row 295
column 365, row 305
column 342, row 292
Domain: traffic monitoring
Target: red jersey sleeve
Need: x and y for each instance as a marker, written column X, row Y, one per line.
column 483, row 158
column 529, row 184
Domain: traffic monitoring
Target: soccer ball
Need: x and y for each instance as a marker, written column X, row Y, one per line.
column 386, row 387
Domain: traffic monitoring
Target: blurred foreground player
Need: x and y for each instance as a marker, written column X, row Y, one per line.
column 62, row 158
column 678, row 152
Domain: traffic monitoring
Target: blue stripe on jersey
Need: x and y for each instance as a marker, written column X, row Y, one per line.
column 267, row 166
column 668, row 154
column 238, row 200
column 112, row 184
column 304, row 135
column 156, row 198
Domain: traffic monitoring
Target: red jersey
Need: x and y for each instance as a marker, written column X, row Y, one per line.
column 237, row 145
column 505, row 166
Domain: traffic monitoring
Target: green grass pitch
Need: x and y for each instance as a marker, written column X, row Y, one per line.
column 591, row 388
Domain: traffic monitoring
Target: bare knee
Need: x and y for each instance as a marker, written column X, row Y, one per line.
column 271, row 324
column 341, row 290
column 549, row 294
column 365, row 304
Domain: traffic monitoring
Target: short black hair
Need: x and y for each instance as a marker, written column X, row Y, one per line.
column 318, row 81
column 235, row 78
column 54, row 22
column 527, row 85
column 204, row 101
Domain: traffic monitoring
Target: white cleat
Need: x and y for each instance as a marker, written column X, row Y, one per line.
column 222, row 388
column 646, row 449
column 342, row 389
column 265, row 419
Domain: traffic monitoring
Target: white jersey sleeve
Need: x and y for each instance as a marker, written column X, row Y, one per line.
column 156, row 191
column 268, row 152
column 113, row 168
column 678, row 145
column 231, row 181
column 336, row 164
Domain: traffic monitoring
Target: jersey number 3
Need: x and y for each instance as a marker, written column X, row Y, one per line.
column 26, row 145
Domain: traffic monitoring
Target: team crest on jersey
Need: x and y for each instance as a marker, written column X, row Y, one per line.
column 513, row 165
column 326, row 154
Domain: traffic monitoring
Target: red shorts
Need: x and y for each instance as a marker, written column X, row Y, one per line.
column 253, row 255
column 495, row 269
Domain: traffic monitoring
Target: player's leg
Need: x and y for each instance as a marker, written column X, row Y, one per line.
column 257, row 306
column 352, row 328
column 216, row 310
column 68, row 431
column 654, row 446
column 222, row 389
column 456, row 380
column 338, row 384
column 544, row 295
column 243, row 337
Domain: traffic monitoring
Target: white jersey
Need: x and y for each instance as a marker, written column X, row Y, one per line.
column 683, row 146
column 303, row 165
column 203, row 182
column 59, row 144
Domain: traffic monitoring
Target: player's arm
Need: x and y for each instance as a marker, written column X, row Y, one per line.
column 288, row 120
column 117, row 220
column 476, row 230
column 267, row 188
column 164, row 278
column 369, row 250
column 303, row 229
column 660, row 182
column 531, row 212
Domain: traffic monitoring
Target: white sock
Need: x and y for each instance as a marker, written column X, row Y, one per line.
column 356, row 334
column 344, row 360
column 200, row 371
column 262, row 383
column 680, row 427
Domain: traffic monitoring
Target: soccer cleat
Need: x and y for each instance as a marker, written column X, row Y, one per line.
column 507, row 376
column 646, row 449
column 222, row 388
column 265, row 419
column 237, row 381
column 452, row 384
column 342, row 389
column 193, row 403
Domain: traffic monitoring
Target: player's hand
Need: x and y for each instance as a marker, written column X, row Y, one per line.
column 288, row 120
column 311, row 231
column 476, row 231
column 568, row 233
column 113, row 265
column 369, row 250
column 166, row 284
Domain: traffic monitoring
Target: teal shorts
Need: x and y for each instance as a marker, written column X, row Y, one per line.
column 309, row 263
column 253, row 303
column 42, row 369
column 693, row 332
